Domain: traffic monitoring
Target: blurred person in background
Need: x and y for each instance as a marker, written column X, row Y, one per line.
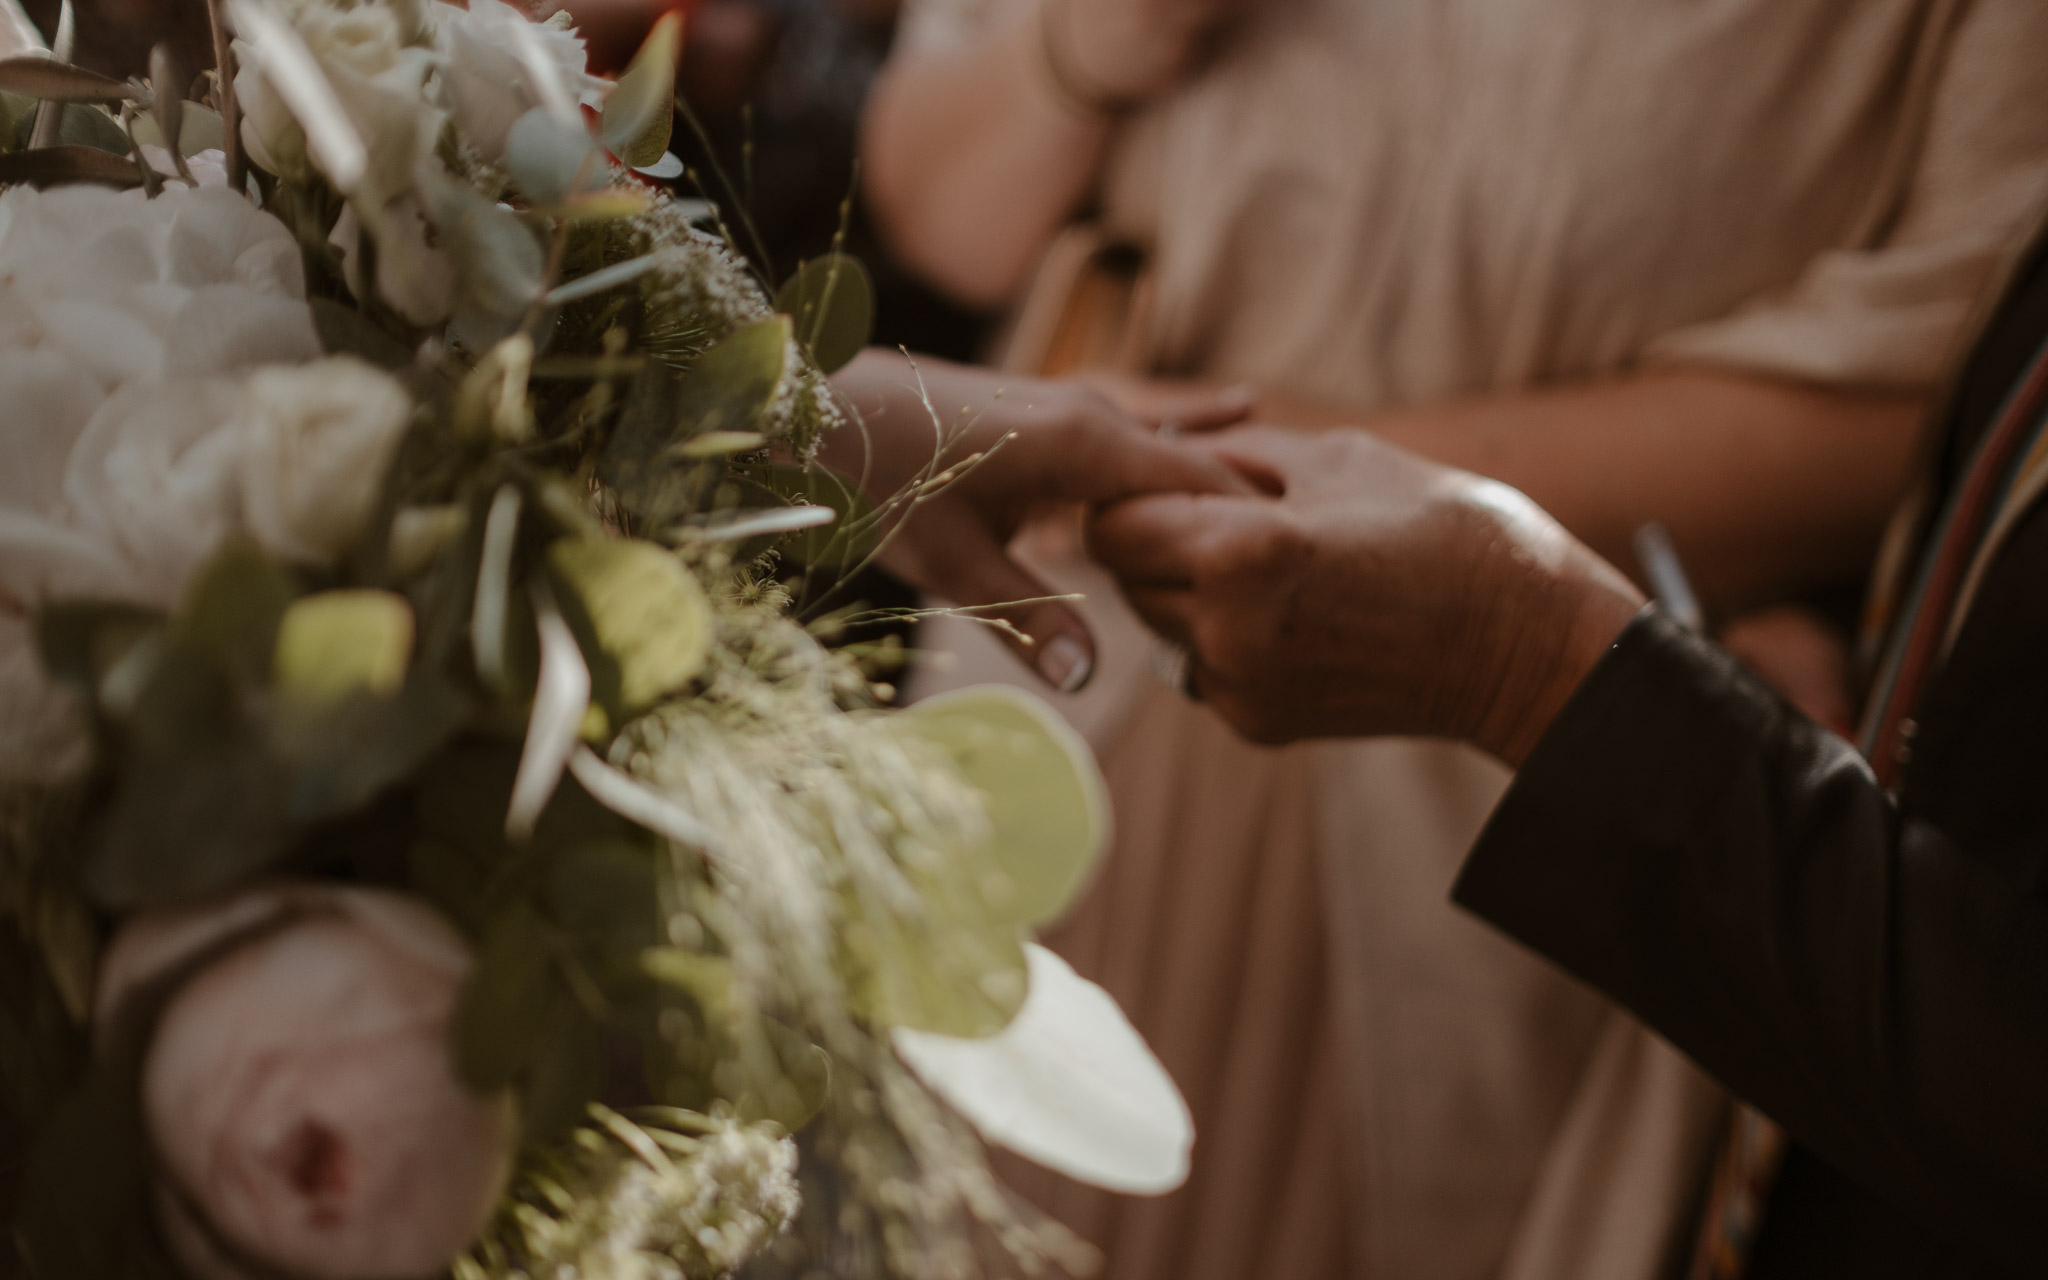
column 1694, row 263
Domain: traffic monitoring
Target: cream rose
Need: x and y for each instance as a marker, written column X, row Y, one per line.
column 300, row 1092
column 164, row 393
column 369, row 40
column 315, row 442
column 489, row 84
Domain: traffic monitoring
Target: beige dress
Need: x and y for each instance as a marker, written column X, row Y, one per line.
column 1391, row 202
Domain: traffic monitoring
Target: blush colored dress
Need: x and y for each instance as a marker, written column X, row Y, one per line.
column 1379, row 203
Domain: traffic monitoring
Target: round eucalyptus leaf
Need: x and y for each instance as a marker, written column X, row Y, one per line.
column 642, row 619
column 831, row 301
column 1047, row 807
column 732, row 385
column 339, row 643
column 946, row 968
column 641, row 110
column 545, row 155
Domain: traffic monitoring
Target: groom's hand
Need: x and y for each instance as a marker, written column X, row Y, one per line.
column 1366, row 591
column 1011, row 445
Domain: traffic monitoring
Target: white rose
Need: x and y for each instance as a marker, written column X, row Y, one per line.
column 139, row 433
column 315, row 443
column 489, row 84
column 122, row 322
column 369, row 40
column 300, row 1091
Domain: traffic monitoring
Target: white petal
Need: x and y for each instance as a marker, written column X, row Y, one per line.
column 1069, row 1084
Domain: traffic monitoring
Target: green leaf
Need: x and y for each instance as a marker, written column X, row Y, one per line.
column 732, row 385
column 546, row 155
column 832, row 302
column 233, row 608
column 1047, row 807
column 199, row 129
column 499, row 264
column 640, row 112
column 52, row 81
column 643, row 621
column 342, row 754
column 345, row 330
column 55, row 166
column 848, row 540
column 566, row 1073
column 339, row 643
column 500, row 1016
column 946, row 969
column 199, row 801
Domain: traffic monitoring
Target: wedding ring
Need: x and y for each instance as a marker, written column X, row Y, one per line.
column 1173, row 665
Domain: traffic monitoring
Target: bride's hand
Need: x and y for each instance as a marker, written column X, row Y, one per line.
column 1013, row 445
column 1366, row 592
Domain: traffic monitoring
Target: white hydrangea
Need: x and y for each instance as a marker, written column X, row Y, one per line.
column 165, row 391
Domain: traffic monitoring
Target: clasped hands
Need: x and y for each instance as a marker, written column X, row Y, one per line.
column 1324, row 583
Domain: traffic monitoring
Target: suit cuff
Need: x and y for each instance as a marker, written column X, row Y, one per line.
column 1633, row 768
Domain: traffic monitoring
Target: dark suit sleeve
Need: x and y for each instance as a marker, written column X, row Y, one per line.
column 1732, row 873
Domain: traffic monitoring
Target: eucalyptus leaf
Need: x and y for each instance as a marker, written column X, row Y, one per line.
column 640, row 113
column 545, row 156
column 499, row 264
column 339, row 643
column 233, row 609
column 643, row 618
column 602, row 280
column 53, row 81
column 499, row 1018
column 1048, row 810
column 560, row 700
column 199, row 129
column 17, row 111
column 200, row 801
column 55, row 166
column 566, row 1071
column 943, row 968
column 831, row 300
column 726, row 391
column 635, row 463
column 733, row 383
column 345, row 330
column 718, row 444
column 342, row 754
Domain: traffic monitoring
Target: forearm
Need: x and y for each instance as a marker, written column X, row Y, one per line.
column 973, row 161
column 1767, row 487
column 1735, row 877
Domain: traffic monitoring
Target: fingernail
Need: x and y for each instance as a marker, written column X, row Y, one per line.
column 1065, row 662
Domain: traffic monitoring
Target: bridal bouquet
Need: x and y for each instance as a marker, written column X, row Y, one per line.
column 429, row 844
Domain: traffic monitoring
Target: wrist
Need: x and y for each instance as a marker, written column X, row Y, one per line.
column 1543, row 639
